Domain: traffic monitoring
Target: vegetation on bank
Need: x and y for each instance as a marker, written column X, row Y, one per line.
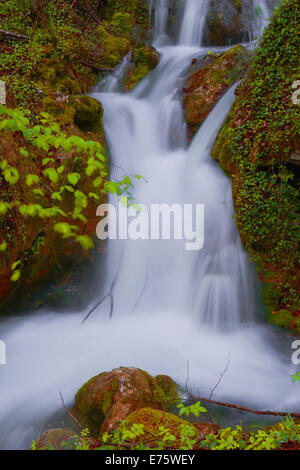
column 53, row 165
column 257, row 147
column 128, row 409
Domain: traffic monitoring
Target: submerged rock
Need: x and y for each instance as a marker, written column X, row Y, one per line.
column 107, row 399
column 208, row 83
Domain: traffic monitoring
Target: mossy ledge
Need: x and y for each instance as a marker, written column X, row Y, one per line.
column 256, row 147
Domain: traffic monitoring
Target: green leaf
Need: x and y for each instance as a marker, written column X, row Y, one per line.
column 73, row 178
column 52, row 174
column 85, row 241
column 11, row 175
column 16, row 276
column 3, row 246
column 32, row 179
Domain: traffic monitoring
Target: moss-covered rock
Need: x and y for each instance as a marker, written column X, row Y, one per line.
column 114, row 11
column 144, row 59
column 123, row 25
column 113, row 48
column 169, row 387
column 56, row 439
column 152, row 421
column 31, row 241
column 255, row 147
column 207, row 84
column 107, row 399
column 88, row 113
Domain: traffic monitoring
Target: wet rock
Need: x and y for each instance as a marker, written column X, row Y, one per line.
column 113, row 48
column 152, row 420
column 56, row 439
column 209, row 82
column 107, row 399
column 88, row 113
column 144, row 59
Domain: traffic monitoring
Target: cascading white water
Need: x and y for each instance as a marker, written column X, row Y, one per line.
column 261, row 13
column 193, row 22
column 161, row 21
column 170, row 305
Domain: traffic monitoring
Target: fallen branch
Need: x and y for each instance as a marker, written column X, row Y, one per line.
column 4, row 35
column 242, row 408
column 94, row 67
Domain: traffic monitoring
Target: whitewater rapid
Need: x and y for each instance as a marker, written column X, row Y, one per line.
column 171, row 307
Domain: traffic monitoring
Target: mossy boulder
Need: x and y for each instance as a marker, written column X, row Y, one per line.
column 107, row 399
column 255, row 147
column 209, row 81
column 113, row 48
column 153, row 420
column 114, row 11
column 56, row 439
column 88, row 113
column 123, row 24
column 144, row 59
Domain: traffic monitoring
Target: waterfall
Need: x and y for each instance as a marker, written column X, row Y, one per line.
column 161, row 22
column 261, row 13
column 170, row 305
column 193, row 22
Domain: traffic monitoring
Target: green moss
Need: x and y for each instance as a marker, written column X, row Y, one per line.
column 169, row 387
column 88, row 113
column 113, row 47
column 209, row 82
column 56, row 439
column 152, row 420
column 144, row 59
column 254, row 147
column 123, row 25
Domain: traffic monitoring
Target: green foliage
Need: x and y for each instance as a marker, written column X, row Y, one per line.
column 46, row 175
column 237, row 439
column 254, row 146
column 194, row 409
column 296, row 377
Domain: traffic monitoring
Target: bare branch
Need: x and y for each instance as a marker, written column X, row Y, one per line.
column 220, row 379
column 242, row 408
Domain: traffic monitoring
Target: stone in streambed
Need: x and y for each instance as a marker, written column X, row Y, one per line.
column 107, row 399
column 209, row 82
column 57, row 439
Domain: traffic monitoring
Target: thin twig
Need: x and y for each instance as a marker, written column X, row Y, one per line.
column 13, row 36
column 69, row 412
column 220, row 379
